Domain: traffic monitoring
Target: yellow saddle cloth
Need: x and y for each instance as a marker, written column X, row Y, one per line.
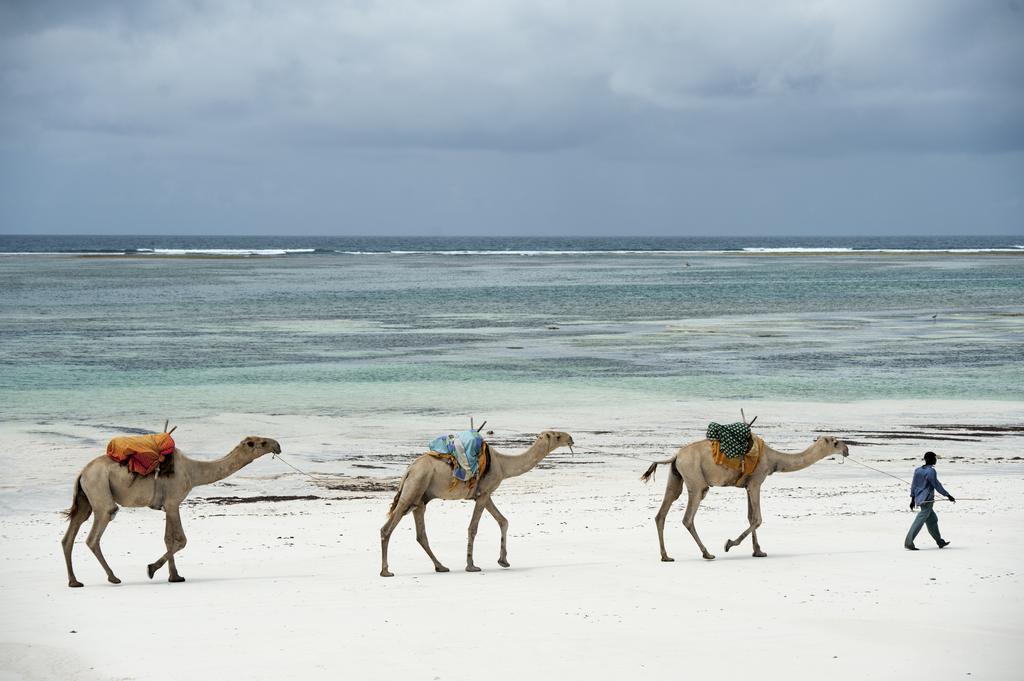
column 746, row 463
column 141, row 453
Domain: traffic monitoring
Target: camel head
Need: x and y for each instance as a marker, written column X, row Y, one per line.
column 832, row 445
column 255, row 446
column 556, row 439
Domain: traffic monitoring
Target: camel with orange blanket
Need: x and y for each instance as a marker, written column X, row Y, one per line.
column 104, row 485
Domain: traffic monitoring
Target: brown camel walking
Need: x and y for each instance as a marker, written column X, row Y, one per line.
column 429, row 478
column 694, row 466
column 105, row 485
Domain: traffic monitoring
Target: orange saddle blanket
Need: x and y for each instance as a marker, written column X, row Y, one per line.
column 141, row 453
column 746, row 463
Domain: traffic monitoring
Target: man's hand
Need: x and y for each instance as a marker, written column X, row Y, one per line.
column 911, row 504
column 951, row 499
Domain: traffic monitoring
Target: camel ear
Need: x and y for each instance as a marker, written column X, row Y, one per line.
column 249, row 443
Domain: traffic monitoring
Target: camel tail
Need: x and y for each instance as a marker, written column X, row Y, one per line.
column 78, row 499
column 649, row 473
column 398, row 494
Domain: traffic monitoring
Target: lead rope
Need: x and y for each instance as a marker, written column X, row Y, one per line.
column 285, row 462
column 878, row 470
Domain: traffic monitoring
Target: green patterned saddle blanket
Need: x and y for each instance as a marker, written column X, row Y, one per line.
column 734, row 439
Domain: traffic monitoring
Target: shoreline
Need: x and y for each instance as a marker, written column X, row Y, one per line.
column 967, row 432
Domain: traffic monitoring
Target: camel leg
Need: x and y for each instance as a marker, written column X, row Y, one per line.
column 672, row 491
column 174, row 540
column 503, row 524
column 758, row 553
column 474, row 522
column 694, row 497
column 82, row 514
column 99, row 524
column 755, row 509
column 385, row 535
column 754, row 518
column 419, row 514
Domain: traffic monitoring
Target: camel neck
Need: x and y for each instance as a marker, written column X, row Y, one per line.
column 517, row 464
column 787, row 463
column 207, row 472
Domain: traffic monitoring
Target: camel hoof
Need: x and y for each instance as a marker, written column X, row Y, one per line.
column 386, row 573
column 760, row 554
column 472, row 568
column 74, row 584
column 666, row 559
column 151, row 569
column 503, row 563
column 176, row 579
column 113, row 580
column 439, row 568
column 708, row 556
column 728, row 545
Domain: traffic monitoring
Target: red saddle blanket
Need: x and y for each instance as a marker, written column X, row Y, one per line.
column 141, row 453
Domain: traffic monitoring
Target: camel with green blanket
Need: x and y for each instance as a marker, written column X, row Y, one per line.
column 694, row 465
column 429, row 478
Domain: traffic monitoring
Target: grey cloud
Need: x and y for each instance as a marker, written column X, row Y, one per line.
column 603, row 84
column 420, row 70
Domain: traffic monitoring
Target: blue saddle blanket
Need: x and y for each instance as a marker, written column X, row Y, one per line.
column 465, row 446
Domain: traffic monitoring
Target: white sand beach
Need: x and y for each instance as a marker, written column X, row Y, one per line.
column 289, row 589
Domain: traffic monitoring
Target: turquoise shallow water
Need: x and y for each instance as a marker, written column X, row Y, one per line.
column 337, row 333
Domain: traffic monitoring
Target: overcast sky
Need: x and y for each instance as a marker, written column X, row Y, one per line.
column 504, row 117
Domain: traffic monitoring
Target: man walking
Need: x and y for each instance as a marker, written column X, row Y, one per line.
column 922, row 493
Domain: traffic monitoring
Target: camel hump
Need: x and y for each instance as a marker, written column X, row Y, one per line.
column 141, row 453
column 734, row 439
column 468, row 450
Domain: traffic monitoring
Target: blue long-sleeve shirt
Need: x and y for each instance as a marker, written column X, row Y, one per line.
column 925, row 482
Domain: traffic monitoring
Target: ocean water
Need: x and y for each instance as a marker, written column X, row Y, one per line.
column 95, row 328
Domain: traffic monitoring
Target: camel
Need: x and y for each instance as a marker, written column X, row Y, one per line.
column 694, row 466
column 105, row 485
column 429, row 478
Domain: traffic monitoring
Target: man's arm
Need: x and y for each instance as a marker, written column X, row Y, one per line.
column 938, row 485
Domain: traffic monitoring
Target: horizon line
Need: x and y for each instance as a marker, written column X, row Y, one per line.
column 516, row 236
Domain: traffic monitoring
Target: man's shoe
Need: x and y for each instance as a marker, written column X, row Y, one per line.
column 943, row 543
column 910, row 547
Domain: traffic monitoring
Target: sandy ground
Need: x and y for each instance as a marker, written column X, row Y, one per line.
column 289, row 589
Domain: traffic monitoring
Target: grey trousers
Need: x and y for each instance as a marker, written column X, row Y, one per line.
column 926, row 516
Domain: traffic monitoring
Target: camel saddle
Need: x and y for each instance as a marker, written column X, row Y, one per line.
column 465, row 452
column 735, row 447
column 142, row 454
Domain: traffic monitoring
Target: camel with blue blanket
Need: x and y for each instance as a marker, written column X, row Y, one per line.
column 730, row 456
column 440, row 474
